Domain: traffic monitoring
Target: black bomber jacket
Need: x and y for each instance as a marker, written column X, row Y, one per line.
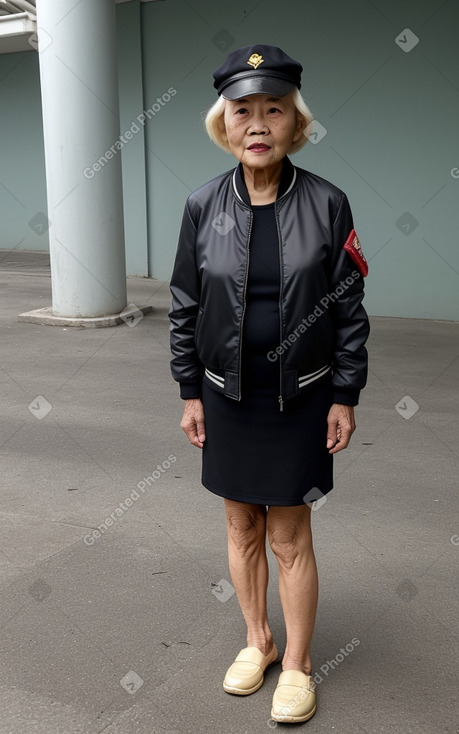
column 323, row 325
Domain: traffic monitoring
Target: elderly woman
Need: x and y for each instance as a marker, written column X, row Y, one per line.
column 268, row 334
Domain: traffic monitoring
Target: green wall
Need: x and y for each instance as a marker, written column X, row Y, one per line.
column 22, row 166
column 391, row 120
column 390, row 116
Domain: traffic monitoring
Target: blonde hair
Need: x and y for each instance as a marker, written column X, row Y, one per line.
column 215, row 123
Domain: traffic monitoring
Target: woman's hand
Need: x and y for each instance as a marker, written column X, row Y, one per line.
column 341, row 426
column 193, row 422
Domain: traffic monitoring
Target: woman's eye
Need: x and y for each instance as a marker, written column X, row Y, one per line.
column 274, row 109
column 241, row 111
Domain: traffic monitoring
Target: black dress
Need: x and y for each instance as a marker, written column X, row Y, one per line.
column 253, row 452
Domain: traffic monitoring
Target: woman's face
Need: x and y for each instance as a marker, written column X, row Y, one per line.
column 261, row 129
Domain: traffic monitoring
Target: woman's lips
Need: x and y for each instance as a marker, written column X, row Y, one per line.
column 259, row 148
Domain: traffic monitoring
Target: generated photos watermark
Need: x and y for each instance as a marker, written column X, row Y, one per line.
column 131, row 315
column 318, row 678
column 407, row 40
column 309, row 320
column 39, row 223
column 407, row 407
column 223, row 590
column 406, row 223
column 315, row 498
column 128, row 134
column 40, row 407
column 131, row 682
column 123, row 506
column 40, row 40
column 315, row 132
column 223, row 223
column 406, row 590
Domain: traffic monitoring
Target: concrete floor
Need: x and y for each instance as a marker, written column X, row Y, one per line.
column 127, row 633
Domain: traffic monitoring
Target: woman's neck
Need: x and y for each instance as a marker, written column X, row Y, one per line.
column 262, row 183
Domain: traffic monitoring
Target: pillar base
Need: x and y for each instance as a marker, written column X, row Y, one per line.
column 44, row 316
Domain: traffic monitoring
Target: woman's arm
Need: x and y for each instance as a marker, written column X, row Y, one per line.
column 185, row 288
column 350, row 320
column 351, row 327
column 186, row 367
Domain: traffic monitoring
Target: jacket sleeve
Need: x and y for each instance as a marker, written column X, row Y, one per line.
column 185, row 288
column 350, row 320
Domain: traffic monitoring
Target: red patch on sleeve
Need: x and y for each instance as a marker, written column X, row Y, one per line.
column 354, row 248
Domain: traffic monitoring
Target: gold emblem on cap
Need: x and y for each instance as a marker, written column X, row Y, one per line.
column 255, row 60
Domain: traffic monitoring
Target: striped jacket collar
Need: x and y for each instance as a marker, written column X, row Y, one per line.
column 287, row 181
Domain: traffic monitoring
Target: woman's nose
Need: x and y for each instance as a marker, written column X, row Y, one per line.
column 257, row 128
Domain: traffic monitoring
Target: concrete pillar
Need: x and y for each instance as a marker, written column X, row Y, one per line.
column 79, row 87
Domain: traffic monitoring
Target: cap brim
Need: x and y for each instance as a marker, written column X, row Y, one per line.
column 257, row 85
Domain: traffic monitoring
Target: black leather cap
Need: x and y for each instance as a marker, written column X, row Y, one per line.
column 258, row 69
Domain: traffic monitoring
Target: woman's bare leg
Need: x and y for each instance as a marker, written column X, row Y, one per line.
column 246, row 525
column 289, row 533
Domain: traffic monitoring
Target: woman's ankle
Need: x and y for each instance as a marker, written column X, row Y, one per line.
column 293, row 663
column 264, row 642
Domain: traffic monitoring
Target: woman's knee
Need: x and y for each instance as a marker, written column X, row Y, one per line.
column 246, row 525
column 289, row 536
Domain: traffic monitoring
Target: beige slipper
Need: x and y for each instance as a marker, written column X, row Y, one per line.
column 294, row 699
column 246, row 674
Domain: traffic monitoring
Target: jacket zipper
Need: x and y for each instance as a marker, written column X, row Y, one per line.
column 281, row 288
column 244, row 301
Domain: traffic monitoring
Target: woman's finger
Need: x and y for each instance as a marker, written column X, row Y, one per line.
column 341, row 426
column 193, row 422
